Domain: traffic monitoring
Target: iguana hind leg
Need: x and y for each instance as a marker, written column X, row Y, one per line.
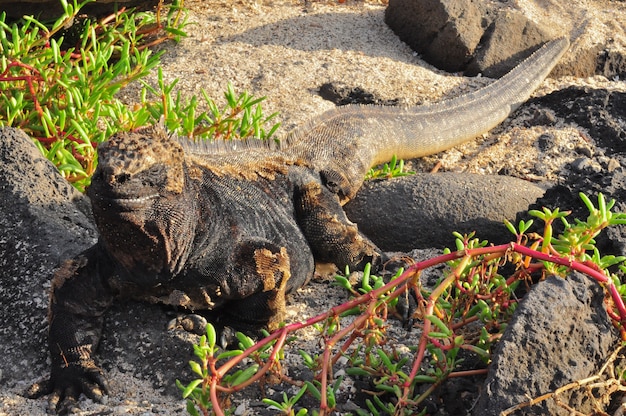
column 332, row 237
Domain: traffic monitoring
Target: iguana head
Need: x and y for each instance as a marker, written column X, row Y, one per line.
column 138, row 201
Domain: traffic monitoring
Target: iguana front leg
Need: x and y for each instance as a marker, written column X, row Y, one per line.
column 331, row 236
column 79, row 298
column 254, row 283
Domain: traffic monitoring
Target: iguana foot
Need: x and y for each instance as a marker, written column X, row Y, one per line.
column 196, row 324
column 192, row 323
column 66, row 384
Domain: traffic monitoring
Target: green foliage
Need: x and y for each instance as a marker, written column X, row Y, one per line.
column 315, row 389
column 241, row 117
column 197, row 392
column 463, row 314
column 393, row 169
column 63, row 93
column 288, row 404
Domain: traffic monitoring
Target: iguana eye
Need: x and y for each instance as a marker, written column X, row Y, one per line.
column 153, row 176
column 154, row 172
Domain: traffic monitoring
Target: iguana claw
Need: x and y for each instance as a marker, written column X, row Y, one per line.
column 406, row 307
column 66, row 384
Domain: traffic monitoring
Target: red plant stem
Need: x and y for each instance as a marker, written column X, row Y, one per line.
column 443, row 347
column 467, row 373
column 396, row 287
column 335, row 311
column 429, row 311
column 28, row 79
column 213, row 387
column 503, row 249
column 327, row 362
column 464, row 322
column 74, row 55
column 112, row 16
column 282, row 336
column 611, row 313
column 18, row 65
column 353, row 336
column 580, row 267
column 214, row 400
column 323, row 380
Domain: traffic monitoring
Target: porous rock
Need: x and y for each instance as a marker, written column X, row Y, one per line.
column 43, row 220
column 560, row 333
column 465, row 35
column 489, row 38
column 423, row 210
column 611, row 63
column 510, row 38
column 446, row 32
column 602, row 114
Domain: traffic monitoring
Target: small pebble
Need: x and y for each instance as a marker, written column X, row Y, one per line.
column 241, row 409
column 580, row 164
column 545, row 142
column 541, row 117
column 584, row 150
column 613, row 164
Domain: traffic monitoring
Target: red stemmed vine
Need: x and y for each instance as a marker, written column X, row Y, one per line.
column 472, row 279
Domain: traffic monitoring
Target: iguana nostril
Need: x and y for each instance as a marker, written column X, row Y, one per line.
column 121, row 178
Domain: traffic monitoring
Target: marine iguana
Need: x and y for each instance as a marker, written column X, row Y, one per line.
column 236, row 227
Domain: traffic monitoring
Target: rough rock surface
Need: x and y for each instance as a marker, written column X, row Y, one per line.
column 601, row 115
column 562, row 346
column 611, row 63
column 489, row 37
column 285, row 52
column 43, row 221
column 560, row 333
column 465, row 35
column 508, row 39
column 422, row 210
column 446, row 32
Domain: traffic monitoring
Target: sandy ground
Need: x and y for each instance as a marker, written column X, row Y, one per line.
column 285, row 50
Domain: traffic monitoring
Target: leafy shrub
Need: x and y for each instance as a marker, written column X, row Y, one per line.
column 467, row 310
column 64, row 96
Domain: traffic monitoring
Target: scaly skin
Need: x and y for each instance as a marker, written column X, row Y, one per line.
column 237, row 227
column 345, row 142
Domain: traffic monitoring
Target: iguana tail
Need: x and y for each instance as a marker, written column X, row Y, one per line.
column 343, row 143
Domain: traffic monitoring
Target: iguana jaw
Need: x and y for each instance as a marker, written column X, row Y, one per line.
column 125, row 199
column 112, row 193
column 131, row 204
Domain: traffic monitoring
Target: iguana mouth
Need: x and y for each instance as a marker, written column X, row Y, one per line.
column 134, row 203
